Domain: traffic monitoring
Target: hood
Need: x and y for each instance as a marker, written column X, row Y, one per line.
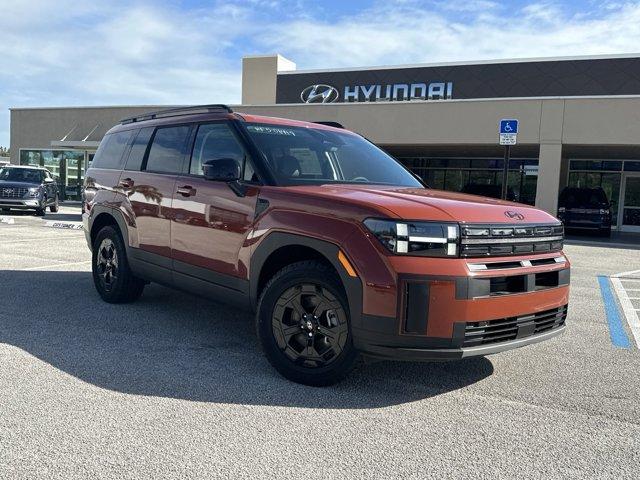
column 428, row 204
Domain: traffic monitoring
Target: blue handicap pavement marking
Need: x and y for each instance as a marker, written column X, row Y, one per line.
column 616, row 329
column 509, row 126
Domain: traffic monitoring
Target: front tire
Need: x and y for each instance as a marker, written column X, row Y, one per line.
column 303, row 325
column 112, row 276
column 55, row 206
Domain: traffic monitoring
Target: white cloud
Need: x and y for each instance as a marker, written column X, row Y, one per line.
column 407, row 33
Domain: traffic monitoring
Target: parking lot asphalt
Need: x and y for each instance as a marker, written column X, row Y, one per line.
column 174, row 386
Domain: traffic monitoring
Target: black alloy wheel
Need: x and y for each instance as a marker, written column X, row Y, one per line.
column 310, row 325
column 303, row 324
column 112, row 277
column 107, row 264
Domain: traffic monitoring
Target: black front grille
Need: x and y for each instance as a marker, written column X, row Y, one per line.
column 503, row 240
column 504, row 330
column 13, row 192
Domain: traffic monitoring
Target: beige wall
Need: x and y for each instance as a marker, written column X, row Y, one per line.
column 259, row 77
column 38, row 127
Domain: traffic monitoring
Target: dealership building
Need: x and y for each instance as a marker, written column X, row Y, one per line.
column 579, row 122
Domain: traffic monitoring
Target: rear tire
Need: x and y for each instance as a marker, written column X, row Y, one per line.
column 303, row 325
column 112, row 276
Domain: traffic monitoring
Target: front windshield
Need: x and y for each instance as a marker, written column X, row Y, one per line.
column 310, row 156
column 21, row 175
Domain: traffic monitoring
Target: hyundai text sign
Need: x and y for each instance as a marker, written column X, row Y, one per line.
column 508, row 131
column 398, row 92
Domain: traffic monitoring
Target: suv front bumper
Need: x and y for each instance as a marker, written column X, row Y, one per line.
column 476, row 311
column 27, row 204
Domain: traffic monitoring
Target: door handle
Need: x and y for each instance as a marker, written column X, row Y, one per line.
column 126, row 183
column 187, row 191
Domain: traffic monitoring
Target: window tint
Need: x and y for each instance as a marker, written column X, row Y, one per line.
column 215, row 140
column 139, row 148
column 167, row 150
column 110, row 153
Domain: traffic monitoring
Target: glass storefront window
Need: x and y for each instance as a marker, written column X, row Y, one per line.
column 454, row 174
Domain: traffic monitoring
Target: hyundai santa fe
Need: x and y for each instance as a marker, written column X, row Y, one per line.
column 337, row 248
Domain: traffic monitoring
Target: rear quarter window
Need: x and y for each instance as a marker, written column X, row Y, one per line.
column 111, row 151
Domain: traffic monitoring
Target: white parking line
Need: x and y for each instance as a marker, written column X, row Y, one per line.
column 630, row 312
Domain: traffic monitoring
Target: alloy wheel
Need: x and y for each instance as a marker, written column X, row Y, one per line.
column 310, row 325
column 107, row 264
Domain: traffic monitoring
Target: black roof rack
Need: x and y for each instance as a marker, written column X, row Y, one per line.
column 331, row 124
column 178, row 111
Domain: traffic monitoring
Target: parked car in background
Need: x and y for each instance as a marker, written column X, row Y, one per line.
column 28, row 188
column 335, row 245
column 585, row 209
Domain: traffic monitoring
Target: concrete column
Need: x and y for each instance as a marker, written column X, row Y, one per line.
column 550, row 164
column 548, row 187
column 259, row 78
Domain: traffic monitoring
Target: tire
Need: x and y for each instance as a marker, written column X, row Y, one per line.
column 112, row 276
column 41, row 211
column 321, row 352
column 55, row 206
column 605, row 232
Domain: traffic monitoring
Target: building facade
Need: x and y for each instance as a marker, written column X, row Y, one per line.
column 578, row 118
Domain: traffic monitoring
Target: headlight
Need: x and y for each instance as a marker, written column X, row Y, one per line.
column 34, row 191
column 429, row 239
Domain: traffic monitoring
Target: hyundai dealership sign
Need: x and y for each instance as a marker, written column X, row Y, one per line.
column 513, row 79
column 398, row 92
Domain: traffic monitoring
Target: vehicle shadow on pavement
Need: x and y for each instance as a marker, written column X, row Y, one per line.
column 174, row 345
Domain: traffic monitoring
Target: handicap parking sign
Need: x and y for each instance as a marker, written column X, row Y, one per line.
column 508, row 126
column 508, row 130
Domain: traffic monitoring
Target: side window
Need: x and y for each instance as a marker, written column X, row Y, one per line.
column 167, row 150
column 138, row 149
column 110, row 153
column 216, row 140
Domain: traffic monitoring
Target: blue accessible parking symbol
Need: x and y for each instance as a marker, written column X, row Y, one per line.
column 508, row 126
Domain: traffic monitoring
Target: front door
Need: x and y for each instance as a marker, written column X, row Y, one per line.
column 211, row 222
column 630, row 205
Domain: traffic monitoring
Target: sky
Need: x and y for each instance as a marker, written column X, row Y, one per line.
column 75, row 52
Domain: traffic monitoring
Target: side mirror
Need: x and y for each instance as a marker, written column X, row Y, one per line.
column 49, row 180
column 221, row 170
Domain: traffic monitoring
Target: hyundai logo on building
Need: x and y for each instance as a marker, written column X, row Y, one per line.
column 514, row 215
column 397, row 92
column 319, row 94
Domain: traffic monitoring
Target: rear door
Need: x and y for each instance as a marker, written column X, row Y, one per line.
column 211, row 222
column 157, row 157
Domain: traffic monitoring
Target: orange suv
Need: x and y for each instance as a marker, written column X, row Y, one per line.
column 337, row 247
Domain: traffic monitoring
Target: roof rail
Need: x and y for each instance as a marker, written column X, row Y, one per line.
column 331, row 124
column 177, row 112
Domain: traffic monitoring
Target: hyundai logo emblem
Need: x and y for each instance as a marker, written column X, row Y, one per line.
column 319, row 94
column 514, row 215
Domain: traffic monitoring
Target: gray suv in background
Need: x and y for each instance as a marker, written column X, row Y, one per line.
column 28, row 188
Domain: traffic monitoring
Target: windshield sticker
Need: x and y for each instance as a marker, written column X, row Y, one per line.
column 271, row 130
